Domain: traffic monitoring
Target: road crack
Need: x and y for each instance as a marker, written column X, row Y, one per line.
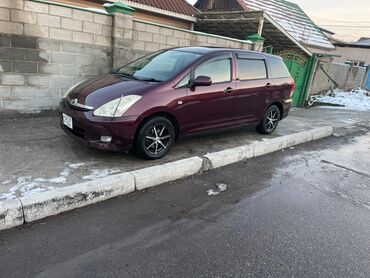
column 345, row 168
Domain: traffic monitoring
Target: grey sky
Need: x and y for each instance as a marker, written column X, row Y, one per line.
column 326, row 13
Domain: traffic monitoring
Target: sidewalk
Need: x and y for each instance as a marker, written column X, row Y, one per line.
column 36, row 156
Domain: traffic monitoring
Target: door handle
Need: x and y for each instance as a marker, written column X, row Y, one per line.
column 268, row 85
column 228, row 90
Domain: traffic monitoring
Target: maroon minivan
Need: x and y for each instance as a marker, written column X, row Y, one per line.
column 147, row 104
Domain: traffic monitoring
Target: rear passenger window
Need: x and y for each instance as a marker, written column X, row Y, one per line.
column 251, row 69
column 278, row 68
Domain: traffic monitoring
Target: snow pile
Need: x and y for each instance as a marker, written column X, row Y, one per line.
column 219, row 188
column 357, row 99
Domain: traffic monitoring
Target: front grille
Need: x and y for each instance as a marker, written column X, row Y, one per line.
column 78, row 106
column 72, row 107
column 79, row 132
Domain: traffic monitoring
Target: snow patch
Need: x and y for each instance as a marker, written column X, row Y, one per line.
column 27, row 185
column 357, row 99
column 220, row 187
column 75, row 165
column 100, row 173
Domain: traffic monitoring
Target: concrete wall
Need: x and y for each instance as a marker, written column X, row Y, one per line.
column 46, row 48
column 352, row 54
column 347, row 77
column 148, row 37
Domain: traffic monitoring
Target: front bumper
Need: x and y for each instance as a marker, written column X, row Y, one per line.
column 88, row 129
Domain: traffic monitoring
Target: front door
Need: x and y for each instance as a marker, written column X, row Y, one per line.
column 210, row 107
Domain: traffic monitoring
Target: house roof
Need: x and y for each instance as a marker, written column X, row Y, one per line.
column 176, row 6
column 288, row 15
column 363, row 41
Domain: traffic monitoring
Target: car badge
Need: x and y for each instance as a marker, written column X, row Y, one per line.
column 74, row 101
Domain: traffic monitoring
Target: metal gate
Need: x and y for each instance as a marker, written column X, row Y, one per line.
column 367, row 82
column 297, row 65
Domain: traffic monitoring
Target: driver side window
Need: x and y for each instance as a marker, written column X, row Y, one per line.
column 219, row 70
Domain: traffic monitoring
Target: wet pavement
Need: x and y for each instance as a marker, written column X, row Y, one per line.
column 37, row 156
column 301, row 212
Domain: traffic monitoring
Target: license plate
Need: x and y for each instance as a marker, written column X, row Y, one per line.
column 67, row 121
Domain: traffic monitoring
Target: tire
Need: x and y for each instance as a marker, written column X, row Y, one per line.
column 270, row 120
column 155, row 138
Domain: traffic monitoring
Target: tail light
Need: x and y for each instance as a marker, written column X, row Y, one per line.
column 292, row 89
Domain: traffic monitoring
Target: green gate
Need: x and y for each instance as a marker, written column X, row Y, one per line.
column 297, row 65
column 298, row 73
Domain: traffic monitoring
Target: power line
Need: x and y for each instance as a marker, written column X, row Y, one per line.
column 347, row 26
column 344, row 21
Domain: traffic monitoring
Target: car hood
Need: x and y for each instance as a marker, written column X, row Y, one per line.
column 100, row 90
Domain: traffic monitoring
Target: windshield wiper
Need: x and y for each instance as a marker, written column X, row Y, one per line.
column 149, row 79
column 124, row 75
column 134, row 77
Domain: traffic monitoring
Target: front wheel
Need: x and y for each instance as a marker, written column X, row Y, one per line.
column 270, row 120
column 155, row 138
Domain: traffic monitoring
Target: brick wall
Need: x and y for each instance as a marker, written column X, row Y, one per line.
column 46, row 48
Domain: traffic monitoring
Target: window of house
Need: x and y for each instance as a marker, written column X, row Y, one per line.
column 251, row 69
column 278, row 68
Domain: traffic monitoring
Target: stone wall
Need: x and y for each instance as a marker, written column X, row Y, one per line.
column 46, row 48
column 345, row 76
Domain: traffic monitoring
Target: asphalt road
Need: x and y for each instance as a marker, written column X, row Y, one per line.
column 302, row 212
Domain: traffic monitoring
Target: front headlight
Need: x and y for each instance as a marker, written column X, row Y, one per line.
column 117, row 107
column 71, row 89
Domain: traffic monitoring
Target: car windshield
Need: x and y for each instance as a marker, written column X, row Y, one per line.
column 159, row 66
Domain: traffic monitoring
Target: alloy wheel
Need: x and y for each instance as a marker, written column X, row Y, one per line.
column 157, row 139
column 271, row 120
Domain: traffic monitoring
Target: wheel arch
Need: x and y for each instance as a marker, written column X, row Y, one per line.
column 164, row 114
column 279, row 105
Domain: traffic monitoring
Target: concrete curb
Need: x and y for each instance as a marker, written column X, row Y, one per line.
column 156, row 175
column 27, row 209
column 230, row 156
column 60, row 200
column 11, row 214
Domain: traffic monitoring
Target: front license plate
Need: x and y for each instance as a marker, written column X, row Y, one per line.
column 67, row 121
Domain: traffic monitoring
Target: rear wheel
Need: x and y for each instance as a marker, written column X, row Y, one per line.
column 270, row 120
column 155, row 138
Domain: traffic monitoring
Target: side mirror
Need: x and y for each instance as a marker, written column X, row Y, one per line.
column 202, row 81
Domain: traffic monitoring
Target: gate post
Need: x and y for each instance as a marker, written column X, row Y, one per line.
column 122, row 30
column 309, row 78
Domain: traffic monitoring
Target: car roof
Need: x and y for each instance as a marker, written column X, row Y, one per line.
column 211, row 49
